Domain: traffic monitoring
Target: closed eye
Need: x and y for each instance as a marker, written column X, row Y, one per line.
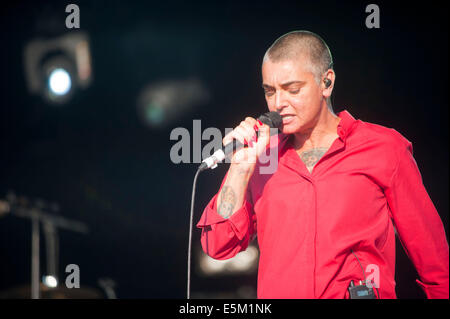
column 269, row 91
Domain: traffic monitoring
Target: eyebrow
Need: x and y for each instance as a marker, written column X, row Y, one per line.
column 266, row 86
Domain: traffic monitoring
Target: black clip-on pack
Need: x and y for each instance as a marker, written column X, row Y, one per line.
column 361, row 291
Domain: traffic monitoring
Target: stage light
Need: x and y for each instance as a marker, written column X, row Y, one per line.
column 244, row 262
column 50, row 281
column 211, row 266
column 161, row 103
column 154, row 113
column 55, row 68
column 59, row 82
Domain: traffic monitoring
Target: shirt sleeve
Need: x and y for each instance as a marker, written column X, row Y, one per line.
column 419, row 226
column 223, row 238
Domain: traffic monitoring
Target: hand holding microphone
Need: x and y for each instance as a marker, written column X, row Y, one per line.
column 254, row 133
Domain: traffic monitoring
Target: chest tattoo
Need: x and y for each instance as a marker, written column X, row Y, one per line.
column 312, row 156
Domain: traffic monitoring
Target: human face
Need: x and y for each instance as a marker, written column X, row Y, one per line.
column 290, row 88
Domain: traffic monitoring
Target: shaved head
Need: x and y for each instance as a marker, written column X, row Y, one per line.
column 302, row 44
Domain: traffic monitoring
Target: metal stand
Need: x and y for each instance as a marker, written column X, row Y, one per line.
column 51, row 222
column 52, row 249
column 35, row 253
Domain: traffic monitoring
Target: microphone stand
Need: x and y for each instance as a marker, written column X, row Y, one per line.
column 52, row 249
column 35, row 253
column 36, row 215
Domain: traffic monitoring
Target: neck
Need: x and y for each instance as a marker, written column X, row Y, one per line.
column 321, row 134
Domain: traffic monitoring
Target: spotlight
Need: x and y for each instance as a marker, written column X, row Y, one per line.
column 50, row 281
column 59, row 82
column 55, row 68
column 244, row 262
column 163, row 102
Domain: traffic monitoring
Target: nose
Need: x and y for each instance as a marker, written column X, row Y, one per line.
column 280, row 101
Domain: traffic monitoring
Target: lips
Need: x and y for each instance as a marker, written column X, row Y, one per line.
column 287, row 118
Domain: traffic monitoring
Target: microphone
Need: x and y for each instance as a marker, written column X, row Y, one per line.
column 272, row 119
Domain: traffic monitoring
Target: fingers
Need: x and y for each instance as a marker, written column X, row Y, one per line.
column 250, row 132
column 263, row 138
column 250, row 128
column 263, row 130
column 244, row 133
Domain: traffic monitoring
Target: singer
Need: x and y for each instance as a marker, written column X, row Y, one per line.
column 341, row 189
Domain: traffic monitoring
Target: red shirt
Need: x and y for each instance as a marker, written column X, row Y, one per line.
column 308, row 224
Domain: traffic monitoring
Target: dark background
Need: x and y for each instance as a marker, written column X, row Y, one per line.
column 97, row 159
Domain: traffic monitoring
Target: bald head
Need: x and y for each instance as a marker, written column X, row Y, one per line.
column 302, row 44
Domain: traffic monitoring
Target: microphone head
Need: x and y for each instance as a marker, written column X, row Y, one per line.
column 272, row 119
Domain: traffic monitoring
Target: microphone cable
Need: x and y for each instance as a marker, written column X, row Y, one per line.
column 191, row 218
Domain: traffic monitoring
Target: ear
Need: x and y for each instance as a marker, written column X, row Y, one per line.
column 330, row 76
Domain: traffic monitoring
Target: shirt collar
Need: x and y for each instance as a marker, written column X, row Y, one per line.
column 345, row 125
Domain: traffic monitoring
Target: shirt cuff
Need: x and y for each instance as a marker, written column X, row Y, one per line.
column 434, row 291
column 239, row 221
